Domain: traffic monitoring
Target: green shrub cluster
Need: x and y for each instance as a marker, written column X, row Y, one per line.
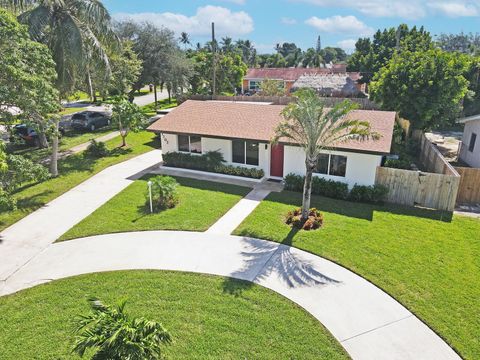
column 338, row 189
column 211, row 161
column 96, row 149
column 320, row 186
column 164, row 193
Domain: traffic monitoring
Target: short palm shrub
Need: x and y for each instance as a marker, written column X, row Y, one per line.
column 164, row 193
column 96, row 149
column 111, row 334
column 314, row 220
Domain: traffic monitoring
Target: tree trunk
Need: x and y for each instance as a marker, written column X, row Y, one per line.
column 307, row 192
column 124, row 140
column 90, row 86
column 54, row 157
column 155, row 94
column 42, row 139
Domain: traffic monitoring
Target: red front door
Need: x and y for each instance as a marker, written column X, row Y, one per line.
column 276, row 161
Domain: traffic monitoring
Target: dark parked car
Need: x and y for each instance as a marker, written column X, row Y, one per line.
column 90, row 120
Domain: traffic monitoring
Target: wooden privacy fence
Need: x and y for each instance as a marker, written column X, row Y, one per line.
column 469, row 190
column 365, row 103
column 432, row 160
column 416, row 188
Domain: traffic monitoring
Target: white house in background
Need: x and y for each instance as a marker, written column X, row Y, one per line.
column 242, row 133
column 470, row 145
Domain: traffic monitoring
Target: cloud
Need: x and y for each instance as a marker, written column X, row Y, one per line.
column 226, row 21
column 288, row 21
column 407, row 9
column 347, row 45
column 340, row 25
column 454, row 9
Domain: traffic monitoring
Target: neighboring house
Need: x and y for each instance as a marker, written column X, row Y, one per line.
column 332, row 85
column 242, row 133
column 470, row 145
column 287, row 76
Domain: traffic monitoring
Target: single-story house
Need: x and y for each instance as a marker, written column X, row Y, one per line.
column 470, row 146
column 288, row 76
column 242, row 133
column 331, row 85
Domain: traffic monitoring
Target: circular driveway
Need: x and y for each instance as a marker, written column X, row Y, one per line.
column 365, row 320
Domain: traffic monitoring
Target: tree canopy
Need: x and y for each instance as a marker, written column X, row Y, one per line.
column 425, row 87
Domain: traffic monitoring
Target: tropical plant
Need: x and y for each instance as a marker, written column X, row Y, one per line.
column 164, row 192
column 128, row 117
column 269, row 87
column 96, row 149
column 113, row 335
column 184, row 39
column 314, row 127
column 27, row 78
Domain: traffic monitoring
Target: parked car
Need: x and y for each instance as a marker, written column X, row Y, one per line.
column 90, row 120
column 26, row 133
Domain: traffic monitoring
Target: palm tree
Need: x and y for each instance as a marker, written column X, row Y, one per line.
column 112, row 334
column 308, row 123
column 77, row 33
column 184, row 39
column 227, row 45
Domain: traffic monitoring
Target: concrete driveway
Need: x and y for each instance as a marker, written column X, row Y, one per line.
column 365, row 320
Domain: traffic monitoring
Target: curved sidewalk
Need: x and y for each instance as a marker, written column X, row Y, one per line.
column 365, row 320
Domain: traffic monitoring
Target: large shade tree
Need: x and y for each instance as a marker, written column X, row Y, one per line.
column 77, row 33
column 314, row 127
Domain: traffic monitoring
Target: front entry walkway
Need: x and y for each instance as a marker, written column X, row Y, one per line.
column 366, row 321
column 26, row 238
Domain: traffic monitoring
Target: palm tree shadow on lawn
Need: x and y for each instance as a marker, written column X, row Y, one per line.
column 279, row 259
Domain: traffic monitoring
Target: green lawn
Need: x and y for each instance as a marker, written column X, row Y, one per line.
column 72, row 110
column 208, row 317
column 201, row 204
column 74, row 170
column 67, row 141
column 149, row 110
column 430, row 266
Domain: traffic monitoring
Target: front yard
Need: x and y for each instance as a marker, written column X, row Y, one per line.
column 429, row 265
column 74, row 170
column 201, row 204
column 204, row 315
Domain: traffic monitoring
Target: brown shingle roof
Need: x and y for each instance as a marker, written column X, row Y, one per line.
column 292, row 74
column 258, row 122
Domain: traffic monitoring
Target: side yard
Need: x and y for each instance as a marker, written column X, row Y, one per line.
column 431, row 266
column 201, row 203
column 74, row 170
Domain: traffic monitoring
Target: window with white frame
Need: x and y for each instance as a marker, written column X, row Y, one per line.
column 335, row 165
column 254, row 85
column 190, row 143
column 245, row 152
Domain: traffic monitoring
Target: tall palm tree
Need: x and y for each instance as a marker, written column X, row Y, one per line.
column 77, row 33
column 314, row 127
column 184, row 39
column 112, row 334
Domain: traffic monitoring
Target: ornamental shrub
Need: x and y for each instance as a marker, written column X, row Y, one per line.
column 164, row 193
column 370, row 194
column 313, row 222
column 211, row 161
column 96, row 149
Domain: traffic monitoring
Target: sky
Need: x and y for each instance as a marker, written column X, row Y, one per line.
column 268, row 22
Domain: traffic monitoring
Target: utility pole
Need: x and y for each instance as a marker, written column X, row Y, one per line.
column 214, row 50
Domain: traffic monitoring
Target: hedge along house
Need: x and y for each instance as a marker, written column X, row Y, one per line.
column 242, row 133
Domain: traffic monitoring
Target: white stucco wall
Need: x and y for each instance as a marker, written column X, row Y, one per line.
column 471, row 158
column 170, row 144
column 361, row 168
